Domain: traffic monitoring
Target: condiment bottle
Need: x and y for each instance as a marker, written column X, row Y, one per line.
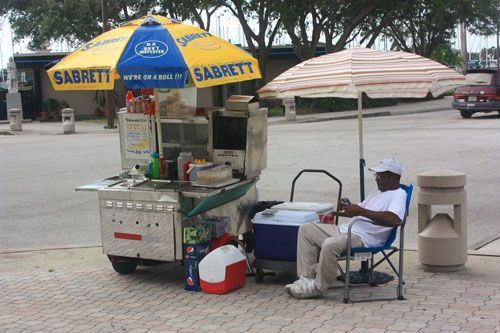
column 130, row 101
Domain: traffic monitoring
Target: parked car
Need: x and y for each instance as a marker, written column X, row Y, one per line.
column 481, row 92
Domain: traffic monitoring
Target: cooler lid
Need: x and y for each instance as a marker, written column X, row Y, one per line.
column 318, row 207
column 285, row 217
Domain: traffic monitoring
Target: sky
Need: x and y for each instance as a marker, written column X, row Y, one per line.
column 234, row 34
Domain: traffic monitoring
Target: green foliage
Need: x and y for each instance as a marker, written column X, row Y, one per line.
column 276, row 112
column 342, row 104
column 43, row 21
column 446, row 55
column 78, row 21
column 52, row 105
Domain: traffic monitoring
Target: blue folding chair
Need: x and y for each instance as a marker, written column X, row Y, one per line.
column 371, row 251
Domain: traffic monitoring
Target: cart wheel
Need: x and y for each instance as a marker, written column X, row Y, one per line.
column 259, row 275
column 125, row 267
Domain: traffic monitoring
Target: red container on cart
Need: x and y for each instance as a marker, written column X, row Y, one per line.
column 222, row 270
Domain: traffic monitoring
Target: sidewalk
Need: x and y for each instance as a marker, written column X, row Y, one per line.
column 91, row 297
column 400, row 109
column 55, row 127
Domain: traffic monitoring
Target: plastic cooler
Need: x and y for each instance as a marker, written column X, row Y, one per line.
column 222, row 270
column 275, row 233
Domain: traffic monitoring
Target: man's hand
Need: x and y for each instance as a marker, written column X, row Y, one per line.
column 352, row 210
column 344, row 202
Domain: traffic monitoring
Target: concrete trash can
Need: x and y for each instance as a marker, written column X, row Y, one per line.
column 68, row 120
column 290, row 113
column 442, row 240
column 15, row 120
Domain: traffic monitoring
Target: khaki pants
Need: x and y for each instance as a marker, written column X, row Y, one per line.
column 332, row 243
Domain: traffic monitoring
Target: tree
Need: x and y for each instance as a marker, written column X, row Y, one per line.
column 44, row 21
column 304, row 21
column 342, row 27
column 447, row 55
column 423, row 25
column 198, row 11
column 265, row 13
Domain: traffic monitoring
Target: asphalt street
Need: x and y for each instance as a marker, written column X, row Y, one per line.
column 40, row 169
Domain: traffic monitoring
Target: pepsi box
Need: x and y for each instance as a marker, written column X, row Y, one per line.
column 197, row 234
column 275, row 233
column 220, row 225
column 191, row 275
column 196, row 251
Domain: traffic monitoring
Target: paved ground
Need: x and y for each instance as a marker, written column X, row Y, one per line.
column 76, row 290
column 96, row 299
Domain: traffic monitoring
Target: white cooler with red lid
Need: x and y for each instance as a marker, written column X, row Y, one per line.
column 222, row 270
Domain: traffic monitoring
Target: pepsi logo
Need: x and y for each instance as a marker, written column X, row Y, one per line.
column 190, row 250
column 190, row 281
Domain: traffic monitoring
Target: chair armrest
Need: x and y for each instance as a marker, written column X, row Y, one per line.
column 363, row 219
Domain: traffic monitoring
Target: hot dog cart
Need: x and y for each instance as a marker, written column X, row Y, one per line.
column 142, row 219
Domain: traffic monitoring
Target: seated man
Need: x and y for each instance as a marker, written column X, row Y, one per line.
column 384, row 208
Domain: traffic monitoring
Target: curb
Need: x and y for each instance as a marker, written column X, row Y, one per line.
column 355, row 116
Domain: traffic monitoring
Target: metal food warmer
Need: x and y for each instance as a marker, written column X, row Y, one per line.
column 142, row 219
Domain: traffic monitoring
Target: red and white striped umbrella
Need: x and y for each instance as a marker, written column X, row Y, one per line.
column 379, row 74
column 349, row 73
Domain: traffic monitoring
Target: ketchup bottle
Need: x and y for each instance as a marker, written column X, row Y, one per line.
column 130, row 101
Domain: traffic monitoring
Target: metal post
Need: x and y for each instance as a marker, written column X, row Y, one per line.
column 361, row 158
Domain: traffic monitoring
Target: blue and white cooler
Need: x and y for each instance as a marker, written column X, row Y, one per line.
column 275, row 232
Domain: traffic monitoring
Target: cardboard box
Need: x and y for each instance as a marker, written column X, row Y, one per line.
column 191, row 275
column 196, row 251
column 197, row 234
column 220, row 225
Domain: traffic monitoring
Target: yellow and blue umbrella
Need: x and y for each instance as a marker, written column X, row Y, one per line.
column 153, row 52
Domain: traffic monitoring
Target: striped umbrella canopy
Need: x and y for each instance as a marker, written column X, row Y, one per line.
column 349, row 73
column 379, row 74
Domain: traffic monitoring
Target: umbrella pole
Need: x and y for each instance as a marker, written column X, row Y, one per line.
column 158, row 134
column 361, row 159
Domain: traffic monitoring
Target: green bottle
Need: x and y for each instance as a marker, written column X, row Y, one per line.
column 154, row 166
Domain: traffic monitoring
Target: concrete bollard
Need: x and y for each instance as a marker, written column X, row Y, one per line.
column 442, row 240
column 15, row 120
column 68, row 120
column 290, row 113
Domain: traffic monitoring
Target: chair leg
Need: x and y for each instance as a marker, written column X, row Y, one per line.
column 346, row 279
column 400, row 275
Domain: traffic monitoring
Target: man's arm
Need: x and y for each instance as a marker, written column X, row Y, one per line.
column 386, row 218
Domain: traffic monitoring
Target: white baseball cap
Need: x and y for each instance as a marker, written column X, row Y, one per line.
column 388, row 164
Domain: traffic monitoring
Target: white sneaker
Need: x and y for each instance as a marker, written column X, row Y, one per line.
column 300, row 280
column 306, row 290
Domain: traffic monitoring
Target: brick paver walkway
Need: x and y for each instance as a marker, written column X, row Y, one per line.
column 153, row 300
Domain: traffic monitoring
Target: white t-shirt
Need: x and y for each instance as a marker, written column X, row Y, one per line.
column 375, row 235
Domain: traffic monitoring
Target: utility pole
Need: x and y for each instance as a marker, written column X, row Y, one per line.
column 463, row 47
column 498, row 60
column 110, row 105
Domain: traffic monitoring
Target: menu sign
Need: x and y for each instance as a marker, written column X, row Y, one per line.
column 136, row 138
